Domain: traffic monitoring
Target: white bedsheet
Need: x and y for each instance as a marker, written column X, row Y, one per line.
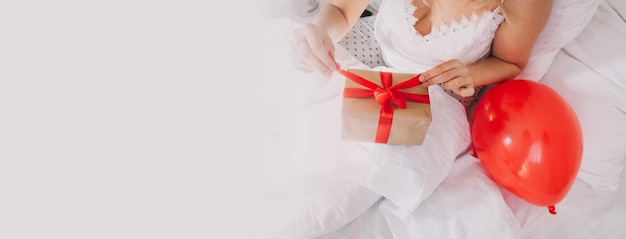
column 467, row 204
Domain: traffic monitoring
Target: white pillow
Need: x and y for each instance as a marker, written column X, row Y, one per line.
column 467, row 204
column 567, row 19
column 407, row 175
column 589, row 74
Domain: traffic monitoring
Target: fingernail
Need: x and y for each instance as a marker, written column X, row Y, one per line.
column 421, row 78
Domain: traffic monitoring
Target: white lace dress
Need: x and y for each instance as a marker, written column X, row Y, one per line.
column 404, row 49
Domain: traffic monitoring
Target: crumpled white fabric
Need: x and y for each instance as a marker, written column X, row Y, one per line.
column 567, row 20
column 467, row 204
column 591, row 77
column 406, row 175
column 329, row 182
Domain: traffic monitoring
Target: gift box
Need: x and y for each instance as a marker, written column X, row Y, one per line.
column 384, row 107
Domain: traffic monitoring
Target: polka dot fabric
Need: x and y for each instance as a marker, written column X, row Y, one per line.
column 465, row 101
column 361, row 43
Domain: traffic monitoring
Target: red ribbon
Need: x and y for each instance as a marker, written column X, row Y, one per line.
column 386, row 95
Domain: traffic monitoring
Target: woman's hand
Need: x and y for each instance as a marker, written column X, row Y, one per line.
column 452, row 75
column 312, row 49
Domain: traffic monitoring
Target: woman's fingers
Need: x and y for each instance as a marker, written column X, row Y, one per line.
column 310, row 58
column 311, row 49
column 297, row 61
column 320, row 45
column 462, row 86
column 444, row 72
column 452, row 75
column 466, row 91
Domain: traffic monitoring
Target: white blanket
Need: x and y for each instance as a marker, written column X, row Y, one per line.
column 325, row 183
column 337, row 198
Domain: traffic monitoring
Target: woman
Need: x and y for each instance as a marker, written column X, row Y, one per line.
column 415, row 36
column 457, row 45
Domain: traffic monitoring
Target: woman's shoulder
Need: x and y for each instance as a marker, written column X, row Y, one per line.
column 523, row 22
column 525, row 9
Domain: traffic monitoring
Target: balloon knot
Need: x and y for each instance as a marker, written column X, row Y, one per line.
column 552, row 209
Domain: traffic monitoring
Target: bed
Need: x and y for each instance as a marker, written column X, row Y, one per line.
column 186, row 119
column 310, row 198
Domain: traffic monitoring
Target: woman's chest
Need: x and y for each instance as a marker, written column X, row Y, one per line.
column 438, row 13
column 444, row 31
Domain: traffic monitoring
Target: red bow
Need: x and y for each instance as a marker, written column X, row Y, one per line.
column 386, row 95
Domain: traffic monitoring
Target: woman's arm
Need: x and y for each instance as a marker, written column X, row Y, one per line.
column 514, row 41
column 337, row 17
column 511, row 48
column 312, row 45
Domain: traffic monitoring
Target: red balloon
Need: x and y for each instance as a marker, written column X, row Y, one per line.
column 529, row 140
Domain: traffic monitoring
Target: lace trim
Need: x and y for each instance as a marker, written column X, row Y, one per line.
column 410, row 9
column 454, row 25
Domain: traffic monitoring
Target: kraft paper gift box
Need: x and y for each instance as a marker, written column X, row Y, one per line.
column 384, row 107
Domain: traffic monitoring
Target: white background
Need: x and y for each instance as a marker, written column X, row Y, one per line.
column 126, row 119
